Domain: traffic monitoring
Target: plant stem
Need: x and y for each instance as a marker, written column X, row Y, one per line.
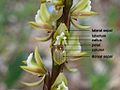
column 66, row 15
column 46, row 82
column 56, row 69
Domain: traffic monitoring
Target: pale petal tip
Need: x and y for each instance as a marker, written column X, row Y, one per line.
column 29, row 59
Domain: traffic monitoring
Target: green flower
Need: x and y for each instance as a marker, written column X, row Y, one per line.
column 81, row 10
column 35, row 67
column 60, row 41
column 46, row 16
column 60, row 83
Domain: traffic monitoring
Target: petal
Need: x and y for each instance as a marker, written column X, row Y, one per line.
column 62, row 86
column 88, row 7
column 70, row 69
column 61, row 39
column 55, row 11
column 44, row 14
column 80, row 14
column 80, row 5
column 41, row 26
column 38, row 59
column 91, row 13
column 62, row 28
column 61, row 78
column 38, row 18
column 34, row 83
column 77, row 25
column 73, row 44
column 34, row 70
column 43, row 39
column 78, row 56
column 29, row 60
column 73, row 48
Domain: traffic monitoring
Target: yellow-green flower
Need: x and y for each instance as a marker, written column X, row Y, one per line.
column 34, row 67
column 60, row 83
column 81, row 10
column 60, row 41
column 46, row 16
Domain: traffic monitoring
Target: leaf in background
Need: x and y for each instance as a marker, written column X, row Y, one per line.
column 14, row 71
column 113, row 16
column 113, row 40
column 99, row 82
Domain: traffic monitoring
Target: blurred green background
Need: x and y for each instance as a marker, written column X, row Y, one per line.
column 16, row 42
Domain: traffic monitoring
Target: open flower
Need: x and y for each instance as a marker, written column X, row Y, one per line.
column 46, row 18
column 60, row 41
column 66, row 49
column 60, row 83
column 35, row 67
column 61, row 35
column 81, row 10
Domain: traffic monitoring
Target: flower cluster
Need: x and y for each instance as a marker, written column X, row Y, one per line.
column 46, row 19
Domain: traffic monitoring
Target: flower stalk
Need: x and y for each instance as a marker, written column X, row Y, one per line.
column 65, row 18
column 55, row 17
